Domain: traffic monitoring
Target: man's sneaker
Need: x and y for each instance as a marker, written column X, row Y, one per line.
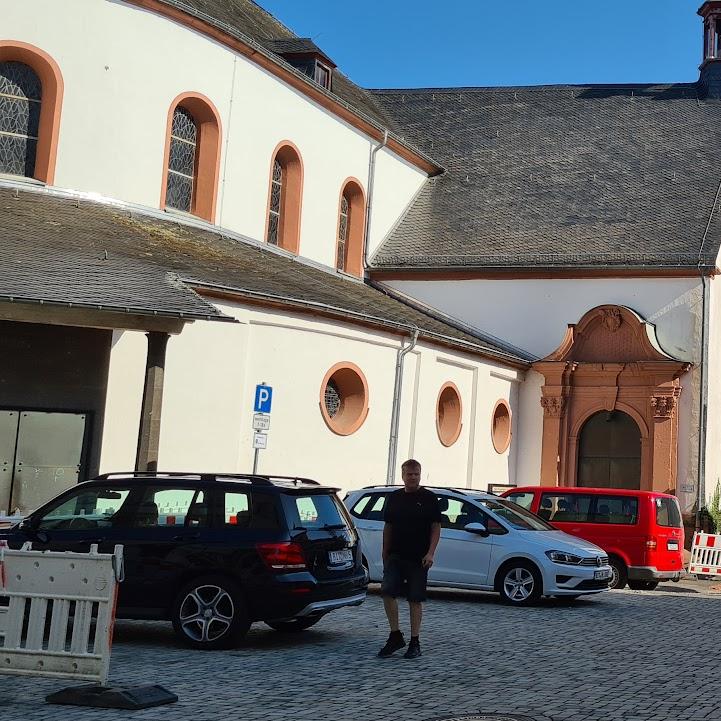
column 414, row 649
column 394, row 642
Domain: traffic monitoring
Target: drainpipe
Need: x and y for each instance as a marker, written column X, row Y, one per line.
column 703, row 391
column 703, row 402
column 369, row 204
column 396, row 412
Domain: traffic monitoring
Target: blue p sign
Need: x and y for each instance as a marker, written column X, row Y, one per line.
column 263, row 399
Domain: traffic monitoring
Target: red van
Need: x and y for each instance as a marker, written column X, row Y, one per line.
column 641, row 531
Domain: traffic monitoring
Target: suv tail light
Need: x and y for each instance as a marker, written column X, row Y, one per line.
column 651, row 543
column 285, row 556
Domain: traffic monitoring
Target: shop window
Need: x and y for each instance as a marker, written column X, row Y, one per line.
column 344, row 398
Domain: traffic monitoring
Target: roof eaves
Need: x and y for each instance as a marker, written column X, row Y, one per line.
column 125, row 310
column 377, row 321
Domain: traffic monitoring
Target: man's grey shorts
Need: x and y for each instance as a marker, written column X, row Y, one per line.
column 404, row 578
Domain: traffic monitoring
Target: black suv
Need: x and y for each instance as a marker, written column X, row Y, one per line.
column 211, row 552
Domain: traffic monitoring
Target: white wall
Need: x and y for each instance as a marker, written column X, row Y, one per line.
column 713, row 437
column 122, row 68
column 210, row 377
column 123, row 401
column 533, row 314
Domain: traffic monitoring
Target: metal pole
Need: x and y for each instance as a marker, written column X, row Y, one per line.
column 255, row 460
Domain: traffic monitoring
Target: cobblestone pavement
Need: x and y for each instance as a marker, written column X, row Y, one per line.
column 623, row 656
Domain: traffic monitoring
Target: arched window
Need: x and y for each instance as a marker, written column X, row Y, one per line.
column 192, row 157
column 284, row 198
column 181, row 162
column 351, row 228
column 31, row 89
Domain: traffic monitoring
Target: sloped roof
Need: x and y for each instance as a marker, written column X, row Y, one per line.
column 247, row 18
column 55, row 247
column 559, row 177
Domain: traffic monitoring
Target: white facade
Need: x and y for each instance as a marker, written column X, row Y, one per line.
column 534, row 314
column 120, row 88
column 210, row 377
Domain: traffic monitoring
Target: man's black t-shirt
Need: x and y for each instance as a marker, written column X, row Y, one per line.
column 410, row 516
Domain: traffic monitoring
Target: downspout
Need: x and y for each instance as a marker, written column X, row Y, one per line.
column 369, row 204
column 396, row 412
column 703, row 390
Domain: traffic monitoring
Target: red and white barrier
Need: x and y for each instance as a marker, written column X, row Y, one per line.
column 705, row 554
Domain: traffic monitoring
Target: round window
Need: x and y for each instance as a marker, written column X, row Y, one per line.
column 449, row 414
column 501, row 426
column 344, row 398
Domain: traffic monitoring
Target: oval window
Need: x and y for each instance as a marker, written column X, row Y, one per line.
column 344, row 398
column 449, row 413
column 501, row 426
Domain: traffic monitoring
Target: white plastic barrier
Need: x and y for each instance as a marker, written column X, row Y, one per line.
column 705, row 554
column 60, row 613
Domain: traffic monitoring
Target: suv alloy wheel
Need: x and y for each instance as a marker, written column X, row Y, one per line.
column 209, row 613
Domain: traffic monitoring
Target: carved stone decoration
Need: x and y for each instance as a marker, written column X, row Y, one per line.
column 553, row 406
column 612, row 319
column 663, row 406
column 611, row 360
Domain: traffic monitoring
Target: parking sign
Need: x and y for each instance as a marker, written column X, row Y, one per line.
column 263, row 399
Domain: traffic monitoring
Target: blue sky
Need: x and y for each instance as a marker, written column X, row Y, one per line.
column 431, row 43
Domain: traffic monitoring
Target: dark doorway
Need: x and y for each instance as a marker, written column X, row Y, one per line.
column 609, row 452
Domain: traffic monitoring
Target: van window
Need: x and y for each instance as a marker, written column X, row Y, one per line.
column 565, row 508
column 667, row 512
column 524, row 500
column 622, row 510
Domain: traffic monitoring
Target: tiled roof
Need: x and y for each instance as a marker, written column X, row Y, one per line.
column 66, row 249
column 561, row 176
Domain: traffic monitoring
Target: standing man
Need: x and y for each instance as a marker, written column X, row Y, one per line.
column 410, row 536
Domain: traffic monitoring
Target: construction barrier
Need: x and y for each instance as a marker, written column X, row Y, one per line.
column 705, row 554
column 58, row 621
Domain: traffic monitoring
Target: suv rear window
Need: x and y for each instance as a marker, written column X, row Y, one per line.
column 315, row 511
column 667, row 512
column 244, row 509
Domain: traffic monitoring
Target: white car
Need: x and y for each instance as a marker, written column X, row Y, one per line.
column 491, row 544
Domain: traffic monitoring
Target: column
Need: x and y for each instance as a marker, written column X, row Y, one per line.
column 151, row 411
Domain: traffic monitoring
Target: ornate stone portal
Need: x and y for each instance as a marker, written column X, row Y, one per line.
column 610, row 361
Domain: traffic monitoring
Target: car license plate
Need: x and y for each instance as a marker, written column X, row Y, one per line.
column 336, row 557
column 673, row 545
column 600, row 575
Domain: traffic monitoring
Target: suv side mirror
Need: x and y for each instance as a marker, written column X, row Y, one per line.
column 478, row 528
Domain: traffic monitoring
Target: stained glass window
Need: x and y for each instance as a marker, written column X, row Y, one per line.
column 342, row 233
column 276, row 198
column 181, row 163
column 20, row 101
column 332, row 398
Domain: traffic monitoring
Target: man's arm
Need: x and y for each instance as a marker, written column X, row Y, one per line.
column 435, row 537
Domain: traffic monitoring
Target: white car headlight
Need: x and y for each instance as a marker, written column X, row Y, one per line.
column 562, row 557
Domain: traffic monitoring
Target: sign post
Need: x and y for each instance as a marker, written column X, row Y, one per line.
column 261, row 420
